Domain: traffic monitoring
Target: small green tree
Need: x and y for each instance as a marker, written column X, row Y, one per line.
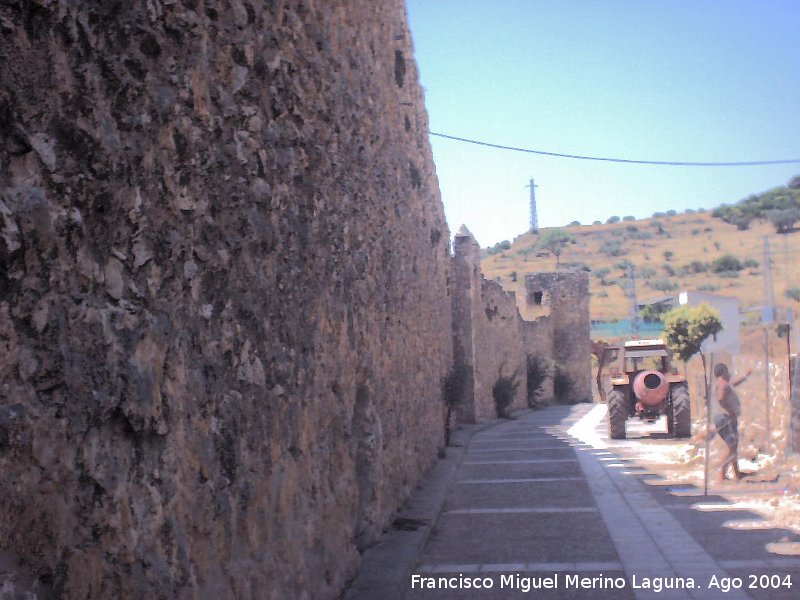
column 647, row 272
column 538, row 372
column 726, row 262
column 498, row 247
column 784, row 219
column 687, row 327
column 624, row 265
column 750, row 263
column 741, row 220
column 652, row 313
column 612, row 248
column 663, row 285
column 503, row 391
column 553, row 241
column 601, row 274
column 697, row 266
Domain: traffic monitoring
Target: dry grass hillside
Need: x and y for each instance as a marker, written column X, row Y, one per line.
column 669, row 254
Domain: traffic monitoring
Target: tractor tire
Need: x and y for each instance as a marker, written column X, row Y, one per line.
column 669, row 415
column 617, row 413
column 681, row 411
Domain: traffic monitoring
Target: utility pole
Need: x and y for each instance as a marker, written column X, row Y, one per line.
column 534, row 218
column 768, row 317
column 789, row 323
column 786, row 263
column 769, row 295
column 794, row 371
column 634, row 301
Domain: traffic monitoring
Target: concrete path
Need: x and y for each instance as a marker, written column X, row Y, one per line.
column 538, row 506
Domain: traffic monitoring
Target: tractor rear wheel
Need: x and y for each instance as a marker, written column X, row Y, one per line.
column 617, row 413
column 681, row 411
column 669, row 415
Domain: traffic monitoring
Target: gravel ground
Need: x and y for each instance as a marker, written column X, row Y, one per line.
column 771, row 488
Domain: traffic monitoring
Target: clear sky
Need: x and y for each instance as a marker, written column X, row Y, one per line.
column 673, row 80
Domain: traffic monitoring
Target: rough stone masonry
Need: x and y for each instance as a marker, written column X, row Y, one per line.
column 491, row 339
column 224, row 320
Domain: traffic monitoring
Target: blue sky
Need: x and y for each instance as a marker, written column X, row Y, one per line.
column 674, row 80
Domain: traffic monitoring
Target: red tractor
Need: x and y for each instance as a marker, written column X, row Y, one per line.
column 647, row 386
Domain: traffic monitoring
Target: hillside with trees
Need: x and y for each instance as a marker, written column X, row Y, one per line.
column 780, row 206
column 713, row 251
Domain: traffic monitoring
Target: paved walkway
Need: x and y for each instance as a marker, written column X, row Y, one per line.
column 537, row 506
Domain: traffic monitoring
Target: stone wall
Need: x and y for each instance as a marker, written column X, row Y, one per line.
column 223, row 292
column 491, row 338
column 566, row 295
column 501, row 350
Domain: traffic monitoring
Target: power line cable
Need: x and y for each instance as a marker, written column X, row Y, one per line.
column 619, row 160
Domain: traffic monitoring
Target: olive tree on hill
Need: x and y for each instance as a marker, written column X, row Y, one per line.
column 553, row 241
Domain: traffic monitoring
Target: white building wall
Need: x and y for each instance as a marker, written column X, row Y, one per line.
column 728, row 339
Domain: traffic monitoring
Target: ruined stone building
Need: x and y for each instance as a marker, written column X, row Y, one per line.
column 565, row 296
column 224, row 307
column 493, row 340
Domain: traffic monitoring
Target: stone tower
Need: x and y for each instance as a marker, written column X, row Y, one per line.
column 566, row 295
column 465, row 284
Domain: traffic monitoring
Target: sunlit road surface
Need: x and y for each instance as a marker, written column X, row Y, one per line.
column 546, row 506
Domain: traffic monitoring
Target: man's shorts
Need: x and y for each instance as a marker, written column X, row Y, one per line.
column 728, row 429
